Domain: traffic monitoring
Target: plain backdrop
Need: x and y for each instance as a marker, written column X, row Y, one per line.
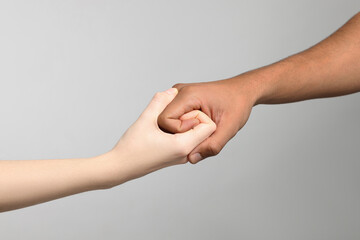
column 74, row 75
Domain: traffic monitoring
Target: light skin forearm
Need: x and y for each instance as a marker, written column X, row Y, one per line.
column 29, row 182
column 330, row 68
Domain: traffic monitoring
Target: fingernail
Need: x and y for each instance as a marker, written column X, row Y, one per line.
column 171, row 91
column 194, row 158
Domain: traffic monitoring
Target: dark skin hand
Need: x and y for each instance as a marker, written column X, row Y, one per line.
column 328, row 69
column 217, row 100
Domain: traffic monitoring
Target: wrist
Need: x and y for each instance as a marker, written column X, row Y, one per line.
column 263, row 85
column 252, row 86
column 266, row 80
column 112, row 170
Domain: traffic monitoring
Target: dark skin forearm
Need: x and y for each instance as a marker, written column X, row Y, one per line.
column 328, row 69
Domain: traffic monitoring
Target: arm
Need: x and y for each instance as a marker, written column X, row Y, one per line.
column 330, row 68
column 144, row 148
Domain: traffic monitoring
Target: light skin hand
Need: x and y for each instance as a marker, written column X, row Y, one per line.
column 144, row 148
column 328, row 69
column 147, row 148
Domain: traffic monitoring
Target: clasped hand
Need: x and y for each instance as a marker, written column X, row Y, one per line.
column 145, row 148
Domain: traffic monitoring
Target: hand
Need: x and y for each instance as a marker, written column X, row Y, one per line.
column 227, row 102
column 144, row 148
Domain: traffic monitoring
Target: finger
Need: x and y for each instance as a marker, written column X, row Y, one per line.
column 198, row 134
column 212, row 145
column 179, row 86
column 159, row 102
column 191, row 118
column 169, row 120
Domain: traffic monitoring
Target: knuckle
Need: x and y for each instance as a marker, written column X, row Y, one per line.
column 178, row 128
column 192, row 93
column 161, row 123
column 214, row 148
column 162, row 119
column 178, row 85
column 185, row 87
column 164, row 123
column 188, row 88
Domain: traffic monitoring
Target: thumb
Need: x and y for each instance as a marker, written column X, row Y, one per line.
column 212, row 145
column 159, row 102
column 199, row 133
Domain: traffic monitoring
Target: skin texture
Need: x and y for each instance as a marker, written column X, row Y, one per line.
column 330, row 68
column 144, row 148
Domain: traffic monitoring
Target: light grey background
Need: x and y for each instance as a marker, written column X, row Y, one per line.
column 75, row 74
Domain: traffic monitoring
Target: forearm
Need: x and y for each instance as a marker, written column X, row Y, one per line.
column 330, row 68
column 29, row 182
